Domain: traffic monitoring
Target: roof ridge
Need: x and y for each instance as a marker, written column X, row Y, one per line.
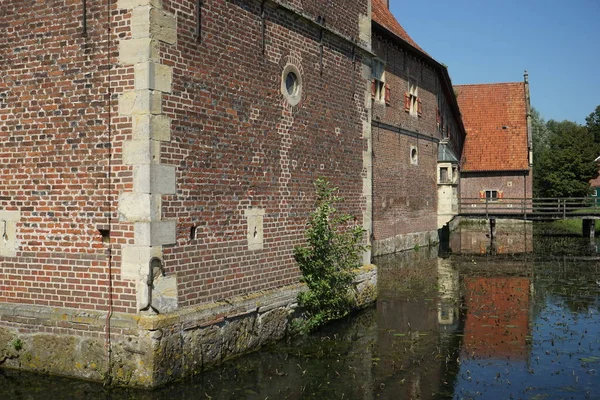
column 490, row 83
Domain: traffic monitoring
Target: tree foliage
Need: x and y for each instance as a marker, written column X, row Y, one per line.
column 540, row 141
column 593, row 124
column 565, row 162
column 328, row 260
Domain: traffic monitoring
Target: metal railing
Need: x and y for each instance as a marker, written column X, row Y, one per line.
column 531, row 208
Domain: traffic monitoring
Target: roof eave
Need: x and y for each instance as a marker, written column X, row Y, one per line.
column 441, row 69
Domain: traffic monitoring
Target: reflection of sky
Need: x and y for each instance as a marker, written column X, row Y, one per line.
column 563, row 363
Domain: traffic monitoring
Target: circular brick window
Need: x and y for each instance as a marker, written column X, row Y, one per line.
column 291, row 84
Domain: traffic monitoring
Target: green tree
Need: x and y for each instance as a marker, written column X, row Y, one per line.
column 328, row 260
column 593, row 124
column 567, row 164
column 540, row 141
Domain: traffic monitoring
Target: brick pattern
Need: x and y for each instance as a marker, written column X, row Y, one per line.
column 513, row 185
column 340, row 15
column 238, row 145
column 235, row 142
column 405, row 195
column 60, row 153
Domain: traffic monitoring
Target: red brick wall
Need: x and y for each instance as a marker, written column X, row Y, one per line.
column 341, row 15
column 514, row 185
column 234, row 142
column 237, row 145
column 405, row 195
column 57, row 124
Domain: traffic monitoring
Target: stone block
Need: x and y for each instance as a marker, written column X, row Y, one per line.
column 364, row 29
column 153, row 76
column 255, row 231
column 140, row 152
column 151, row 22
column 139, row 207
column 133, row 51
column 155, row 233
column 155, row 127
column 135, row 260
column 129, row 4
column 8, row 233
column 154, row 178
column 142, row 102
column 367, row 131
column 164, row 294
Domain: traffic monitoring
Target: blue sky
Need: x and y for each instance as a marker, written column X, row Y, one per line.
column 484, row 41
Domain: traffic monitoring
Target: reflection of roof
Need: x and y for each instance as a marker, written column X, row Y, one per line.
column 384, row 17
column 497, row 321
column 495, row 118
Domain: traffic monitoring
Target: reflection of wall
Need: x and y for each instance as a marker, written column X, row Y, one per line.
column 448, row 287
column 497, row 320
column 407, row 325
column 511, row 236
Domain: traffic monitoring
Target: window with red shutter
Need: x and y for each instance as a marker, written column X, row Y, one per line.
column 388, row 95
column 406, row 101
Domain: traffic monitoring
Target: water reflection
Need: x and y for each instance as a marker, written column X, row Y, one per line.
column 461, row 327
column 498, row 237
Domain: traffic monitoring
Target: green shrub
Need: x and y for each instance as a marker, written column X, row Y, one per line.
column 328, row 260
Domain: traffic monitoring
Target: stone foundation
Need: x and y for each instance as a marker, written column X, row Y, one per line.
column 150, row 350
column 404, row 242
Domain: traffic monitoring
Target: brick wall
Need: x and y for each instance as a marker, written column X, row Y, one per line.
column 66, row 119
column 515, row 185
column 58, row 124
column 239, row 146
column 405, row 192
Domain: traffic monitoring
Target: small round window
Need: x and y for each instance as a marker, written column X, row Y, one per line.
column 414, row 155
column 291, row 84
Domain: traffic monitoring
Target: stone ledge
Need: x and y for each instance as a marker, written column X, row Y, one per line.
column 69, row 315
column 404, row 242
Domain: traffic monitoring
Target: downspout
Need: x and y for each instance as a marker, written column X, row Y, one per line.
column 107, row 340
column 155, row 266
column 84, row 18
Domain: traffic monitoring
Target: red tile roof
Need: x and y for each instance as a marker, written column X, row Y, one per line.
column 495, row 118
column 383, row 16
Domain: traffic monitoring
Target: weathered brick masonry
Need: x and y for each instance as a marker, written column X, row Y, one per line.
column 164, row 132
column 239, row 147
column 60, row 155
column 406, row 138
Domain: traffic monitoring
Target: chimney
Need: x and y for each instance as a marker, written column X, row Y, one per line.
column 388, row 4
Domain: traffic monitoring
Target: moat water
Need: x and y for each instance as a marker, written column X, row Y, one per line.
column 516, row 318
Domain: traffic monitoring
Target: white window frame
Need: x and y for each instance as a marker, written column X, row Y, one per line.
column 413, row 92
column 378, row 76
column 489, row 195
